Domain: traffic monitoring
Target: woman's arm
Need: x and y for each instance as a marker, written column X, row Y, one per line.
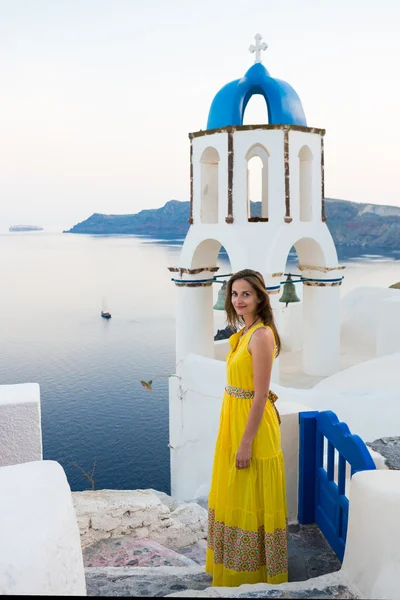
column 261, row 347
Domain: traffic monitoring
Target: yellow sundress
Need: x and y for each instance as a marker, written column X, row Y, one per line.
column 247, row 510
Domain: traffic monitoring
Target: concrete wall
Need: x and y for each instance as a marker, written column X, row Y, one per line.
column 20, row 424
column 40, row 550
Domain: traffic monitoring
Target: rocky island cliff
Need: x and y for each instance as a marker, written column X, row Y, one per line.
column 350, row 223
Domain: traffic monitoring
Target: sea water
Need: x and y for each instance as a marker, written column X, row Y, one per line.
column 95, row 413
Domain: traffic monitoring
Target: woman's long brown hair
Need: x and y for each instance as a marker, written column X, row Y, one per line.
column 264, row 310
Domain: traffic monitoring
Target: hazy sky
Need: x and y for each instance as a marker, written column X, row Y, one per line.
column 98, row 96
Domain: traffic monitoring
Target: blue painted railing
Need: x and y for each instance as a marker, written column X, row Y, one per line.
column 321, row 499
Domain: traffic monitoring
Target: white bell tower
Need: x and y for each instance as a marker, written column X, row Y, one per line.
column 292, row 214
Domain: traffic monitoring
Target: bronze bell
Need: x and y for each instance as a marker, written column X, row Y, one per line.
column 289, row 292
column 220, row 303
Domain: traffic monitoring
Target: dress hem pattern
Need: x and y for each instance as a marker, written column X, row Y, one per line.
column 248, row 551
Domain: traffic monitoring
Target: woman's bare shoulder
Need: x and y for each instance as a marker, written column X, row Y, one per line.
column 262, row 338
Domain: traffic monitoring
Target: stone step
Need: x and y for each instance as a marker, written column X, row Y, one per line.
column 193, row 582
column 144, row 581
column 332, row 586
column 196, row 552
column 130, row 551
column 309, row 554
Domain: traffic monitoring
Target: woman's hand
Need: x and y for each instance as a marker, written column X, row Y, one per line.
column 243, row 456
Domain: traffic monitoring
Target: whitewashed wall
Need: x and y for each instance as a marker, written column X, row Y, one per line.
column 218, row 141
column 40, row 549
column 370, row 388
column 20, row 424
column 321, row 330
column 194, row 319
column 221, row 349
column 194, row 409
column 388, row 327
column 257, row 246
column 361, row 316
column 372, row 555
column 297, row 140
column 262, row 246
column 272, row 142
column 291, row 325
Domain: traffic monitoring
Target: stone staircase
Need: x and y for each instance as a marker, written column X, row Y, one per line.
column 130, row 566
column 142, row 567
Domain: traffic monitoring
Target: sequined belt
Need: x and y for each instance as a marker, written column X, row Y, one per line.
column 237, row 392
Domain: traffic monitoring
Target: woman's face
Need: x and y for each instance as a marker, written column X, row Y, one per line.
column 244, row 298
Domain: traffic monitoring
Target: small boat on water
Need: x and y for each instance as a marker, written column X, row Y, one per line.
column 105, row 313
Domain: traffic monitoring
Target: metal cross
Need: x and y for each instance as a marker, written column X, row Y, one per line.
column 258, row 47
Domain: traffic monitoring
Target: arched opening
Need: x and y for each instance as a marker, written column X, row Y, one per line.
column 310, row 252
column 304, row 326
column 305, row 183
column 257, row 183
column 256, row 111
column 209, row 186
column 211, row 253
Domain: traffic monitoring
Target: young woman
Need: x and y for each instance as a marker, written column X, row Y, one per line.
column 247, row 514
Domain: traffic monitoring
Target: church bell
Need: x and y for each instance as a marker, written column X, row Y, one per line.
column 220, row 303
column 289, row 292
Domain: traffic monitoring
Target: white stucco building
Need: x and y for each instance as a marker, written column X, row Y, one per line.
column 292, row 214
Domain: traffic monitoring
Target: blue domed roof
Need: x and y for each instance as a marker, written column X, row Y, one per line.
column 228, row 106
